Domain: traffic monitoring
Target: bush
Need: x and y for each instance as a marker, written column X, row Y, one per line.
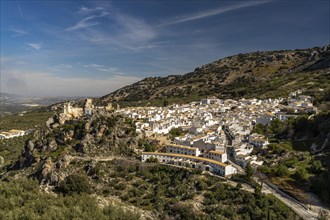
column 282, row 171
column 301, row 175
column 75, row 184
column 113, row 212
column 152, row 160
column 316, row 166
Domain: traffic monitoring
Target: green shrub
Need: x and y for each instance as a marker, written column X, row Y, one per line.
column 282, row 171
column 75, row 184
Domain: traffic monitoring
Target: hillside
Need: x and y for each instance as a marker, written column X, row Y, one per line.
column 88, row 166
column 257, row 74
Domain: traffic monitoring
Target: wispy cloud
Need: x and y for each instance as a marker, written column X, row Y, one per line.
column 86, row 22
column 128, row 32
column 102, row 68
column 161, row 58
column 36, row 46
column 86, row 10
column 204, row 14
column 63, row 66
column 19, row 9
column 18, row 32
column 93, row 65
column 83, row 24
column 134, row 28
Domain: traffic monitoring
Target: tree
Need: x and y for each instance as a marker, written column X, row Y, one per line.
column 75, row 184
column 239, row 186
column 282, row 171
column 316, row 166
column 257, row 191
column 249, row 171
column 152, row 160
column 165, row 102
column 301, row 174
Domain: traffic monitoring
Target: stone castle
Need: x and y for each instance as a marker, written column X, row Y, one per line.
column 70, row 112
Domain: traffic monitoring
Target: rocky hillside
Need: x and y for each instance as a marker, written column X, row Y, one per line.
column 49, row 152
column 86, row 166
column 258, row 74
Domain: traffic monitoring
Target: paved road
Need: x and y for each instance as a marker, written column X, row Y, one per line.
column 295, row 205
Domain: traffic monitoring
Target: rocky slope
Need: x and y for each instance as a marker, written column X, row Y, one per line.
column 259, row 74
column 90, row 159
column 48, row 154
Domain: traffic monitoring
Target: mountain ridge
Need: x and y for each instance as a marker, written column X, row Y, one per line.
column 241, row 75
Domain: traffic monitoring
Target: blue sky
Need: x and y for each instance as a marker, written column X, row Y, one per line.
column 91, row 48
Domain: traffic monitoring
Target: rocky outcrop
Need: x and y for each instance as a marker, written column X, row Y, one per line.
column 46, row 171
column 51, row 151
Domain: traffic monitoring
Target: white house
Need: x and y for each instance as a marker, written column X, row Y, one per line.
column 179, row 149
column 265, row 119
column 258, row 140
column 11, row 134
column 216, row 155
column 201, row 163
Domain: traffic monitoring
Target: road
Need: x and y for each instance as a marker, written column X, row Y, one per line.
column 267, row 188
column 295, row 205
column 298, row 207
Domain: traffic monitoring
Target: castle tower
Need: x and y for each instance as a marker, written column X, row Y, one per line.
column 108, row 107
column 88, row 109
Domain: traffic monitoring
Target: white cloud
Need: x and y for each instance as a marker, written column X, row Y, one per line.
column 36, row 46
column 83, row 24
column 102, row 68
column 62, row 66
column 134, row 29
column 93, row 13
column 18, row 32
column 93, row 65
column 161, row 58
column 86, row 10
column 212, row 12
column 131, row 33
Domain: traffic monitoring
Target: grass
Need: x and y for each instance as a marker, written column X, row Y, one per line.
column 10, row 149
column 25, row 122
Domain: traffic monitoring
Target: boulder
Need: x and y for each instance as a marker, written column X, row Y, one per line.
column 88, row 126
column 46, row 170
column 63, row 162
column 101, row 131
column 49, row 122
column 52, row 145
column 55, row 125
column 29, row 146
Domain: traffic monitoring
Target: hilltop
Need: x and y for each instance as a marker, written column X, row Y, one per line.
column 257, row 74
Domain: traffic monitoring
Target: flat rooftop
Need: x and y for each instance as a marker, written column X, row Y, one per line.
column 185, row 156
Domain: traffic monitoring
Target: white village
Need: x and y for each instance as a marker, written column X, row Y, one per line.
column 218, row 133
